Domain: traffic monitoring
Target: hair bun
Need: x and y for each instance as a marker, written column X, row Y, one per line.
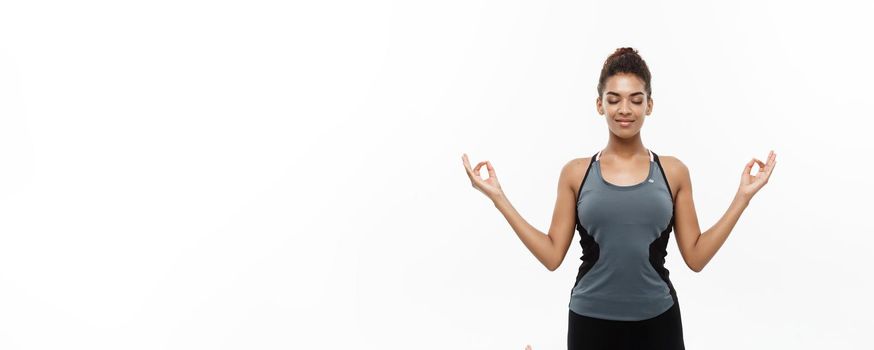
column 625, row 50
column 625, row 60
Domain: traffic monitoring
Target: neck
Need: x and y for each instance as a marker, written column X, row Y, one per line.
column 625, row 149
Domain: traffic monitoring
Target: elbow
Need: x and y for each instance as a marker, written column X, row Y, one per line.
column 695, row 267
column 552, row 267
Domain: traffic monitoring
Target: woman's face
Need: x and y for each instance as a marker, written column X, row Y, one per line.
column 624, row 99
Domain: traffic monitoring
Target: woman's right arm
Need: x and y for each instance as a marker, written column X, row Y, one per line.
column 550, row 249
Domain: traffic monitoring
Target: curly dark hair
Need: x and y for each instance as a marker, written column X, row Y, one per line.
column 625, row 60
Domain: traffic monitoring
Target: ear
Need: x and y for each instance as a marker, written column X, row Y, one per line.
column 648, row 106
column 598, row 106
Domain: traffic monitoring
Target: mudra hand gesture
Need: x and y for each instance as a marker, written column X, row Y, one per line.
column 490, row 186
column 749, row 184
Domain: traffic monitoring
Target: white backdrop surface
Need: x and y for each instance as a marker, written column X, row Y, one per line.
column 277, row 175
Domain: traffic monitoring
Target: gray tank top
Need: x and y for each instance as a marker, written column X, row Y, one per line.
column 624, row 233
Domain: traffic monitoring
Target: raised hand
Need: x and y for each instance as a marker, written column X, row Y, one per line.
column 490, row 186
column 750, row 184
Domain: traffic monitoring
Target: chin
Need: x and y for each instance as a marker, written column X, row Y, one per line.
column 626, row 133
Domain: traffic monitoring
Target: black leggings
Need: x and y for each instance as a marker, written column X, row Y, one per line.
column 663, row 332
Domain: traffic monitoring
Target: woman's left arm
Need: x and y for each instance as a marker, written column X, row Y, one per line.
column 698, row 248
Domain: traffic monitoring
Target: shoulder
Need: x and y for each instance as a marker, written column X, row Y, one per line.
column 573, row 171
column 675, row 169
column 673, row 162
column 576, row 166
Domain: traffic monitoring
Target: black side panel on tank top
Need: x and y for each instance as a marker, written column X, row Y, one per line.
column 587, row 242
column 658, row 248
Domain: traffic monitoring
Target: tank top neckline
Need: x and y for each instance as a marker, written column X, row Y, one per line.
column 628, row 187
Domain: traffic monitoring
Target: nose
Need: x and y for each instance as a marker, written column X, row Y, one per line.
column 624, row 109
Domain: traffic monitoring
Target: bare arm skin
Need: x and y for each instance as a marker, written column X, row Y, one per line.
column 696, row 248
column 699, row 248
column 551, row 248
column 543, row 246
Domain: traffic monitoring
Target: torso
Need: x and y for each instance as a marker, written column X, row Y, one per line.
column 629, row 174
column 624, row 222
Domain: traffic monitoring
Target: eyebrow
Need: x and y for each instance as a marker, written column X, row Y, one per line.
column 634, row 94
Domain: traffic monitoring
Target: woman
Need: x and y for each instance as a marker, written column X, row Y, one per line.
column 624, row 200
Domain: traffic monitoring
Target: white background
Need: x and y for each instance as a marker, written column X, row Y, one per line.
column 279, row 175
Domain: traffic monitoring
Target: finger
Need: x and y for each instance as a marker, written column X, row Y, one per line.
column 467, row 166
column 772, row 158
column 476, row 170
column 761, row 165
column 465, row 162
column 749, row 168
column 491, row 169
column 760, row 173
column 770, row 170
column 475, row 179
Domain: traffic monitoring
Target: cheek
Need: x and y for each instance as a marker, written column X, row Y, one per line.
column 638, row 109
